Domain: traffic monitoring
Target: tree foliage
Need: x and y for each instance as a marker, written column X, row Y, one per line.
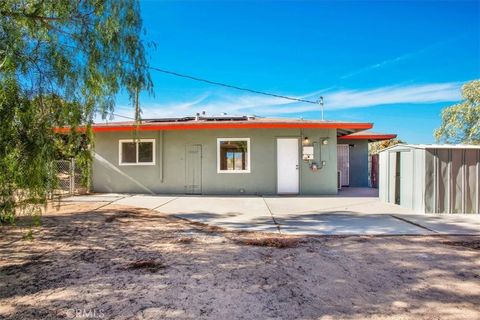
column 60, row 62
column 377, row 146
column 461, row 122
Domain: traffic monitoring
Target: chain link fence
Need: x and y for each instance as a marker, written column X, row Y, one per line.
column 69, row 178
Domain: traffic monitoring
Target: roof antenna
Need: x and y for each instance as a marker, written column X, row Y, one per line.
column 320, row 102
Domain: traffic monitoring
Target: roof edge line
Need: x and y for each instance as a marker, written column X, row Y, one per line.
column 166, row 127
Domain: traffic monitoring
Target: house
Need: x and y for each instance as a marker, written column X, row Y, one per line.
column 353, row 158
column 227, row 155
column 431, row 178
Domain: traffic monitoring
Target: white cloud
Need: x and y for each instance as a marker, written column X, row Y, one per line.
column 381, row 64
column 418, row 94
column 399, row 58
column 242, row 104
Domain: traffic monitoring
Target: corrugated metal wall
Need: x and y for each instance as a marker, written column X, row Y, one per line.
column 453, row 185
column 431, row 180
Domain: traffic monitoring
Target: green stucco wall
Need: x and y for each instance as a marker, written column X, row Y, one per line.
column 358, row 157
column 168, row 174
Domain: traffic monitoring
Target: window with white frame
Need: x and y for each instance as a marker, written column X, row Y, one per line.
column 136, row 152
column 233, row 155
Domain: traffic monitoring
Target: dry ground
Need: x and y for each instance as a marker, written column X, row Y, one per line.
column 116, row 262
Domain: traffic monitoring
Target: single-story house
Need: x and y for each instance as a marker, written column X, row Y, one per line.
column 353, row 159
column 229, row 155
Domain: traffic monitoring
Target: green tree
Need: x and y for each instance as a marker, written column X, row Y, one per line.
column 60, row 62
column 461, row 122
column 377, row 146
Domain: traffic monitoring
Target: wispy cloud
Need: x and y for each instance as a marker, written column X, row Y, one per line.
column 380, row 64
column 413, row 94
column 397, row 59
column 217, row 103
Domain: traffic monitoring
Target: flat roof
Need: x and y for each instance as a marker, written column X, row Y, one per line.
column 434, row 146
column 368, row 135
column 190, row 123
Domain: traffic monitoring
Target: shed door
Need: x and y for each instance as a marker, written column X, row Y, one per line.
column 193, row 169
column 343, row 163
column 287, row 165
column 406, row 182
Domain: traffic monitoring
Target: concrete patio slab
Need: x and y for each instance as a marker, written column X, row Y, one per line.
column 145, row 201
column 346, row 223
column 358, row 192
column 327, row 215
column 238, row 213
column 281, row 206
column 460, row 224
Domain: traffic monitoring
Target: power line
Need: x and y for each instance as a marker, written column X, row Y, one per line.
column 229, row 85
column 121, row 116
column 217, row 83
column 117, row 115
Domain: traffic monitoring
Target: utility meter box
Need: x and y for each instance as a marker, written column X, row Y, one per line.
column 307, row 153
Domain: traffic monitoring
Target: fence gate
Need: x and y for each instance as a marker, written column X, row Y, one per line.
column 69, row 178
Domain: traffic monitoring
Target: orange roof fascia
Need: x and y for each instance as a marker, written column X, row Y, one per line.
column 337, row 125
column 199, row 126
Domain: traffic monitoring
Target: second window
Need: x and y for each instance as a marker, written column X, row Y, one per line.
column 233, row 155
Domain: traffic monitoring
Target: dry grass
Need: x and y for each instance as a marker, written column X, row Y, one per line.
column 273, row 242
column 122, row 214
column 150, row 265
column 471, row 244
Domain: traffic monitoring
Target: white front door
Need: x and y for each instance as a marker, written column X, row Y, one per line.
column 287, row 165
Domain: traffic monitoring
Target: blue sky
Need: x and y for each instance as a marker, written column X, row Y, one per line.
column 392, row 63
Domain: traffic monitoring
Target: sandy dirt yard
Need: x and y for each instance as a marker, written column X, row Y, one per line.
column 97, row 261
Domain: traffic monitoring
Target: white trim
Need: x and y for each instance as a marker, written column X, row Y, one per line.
column 136, row 141
column 249, row 165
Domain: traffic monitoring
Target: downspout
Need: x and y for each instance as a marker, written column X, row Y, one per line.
column 160, row 155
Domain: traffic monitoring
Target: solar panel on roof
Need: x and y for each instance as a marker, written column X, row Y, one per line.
column 224, row 118
column 200, row 118
column 182, row 119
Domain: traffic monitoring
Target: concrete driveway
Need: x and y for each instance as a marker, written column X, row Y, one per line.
column 358, row 213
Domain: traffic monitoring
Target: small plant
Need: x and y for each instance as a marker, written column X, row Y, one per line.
column 28, row 236
column 114, row 217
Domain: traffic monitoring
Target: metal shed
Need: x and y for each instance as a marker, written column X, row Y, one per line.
column 431, row 178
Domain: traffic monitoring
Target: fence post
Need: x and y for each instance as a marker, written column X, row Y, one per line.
column 72, row 176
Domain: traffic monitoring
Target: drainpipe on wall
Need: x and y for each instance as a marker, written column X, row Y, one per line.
column 160, row 156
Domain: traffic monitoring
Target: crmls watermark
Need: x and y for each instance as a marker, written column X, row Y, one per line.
column 85, row 313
